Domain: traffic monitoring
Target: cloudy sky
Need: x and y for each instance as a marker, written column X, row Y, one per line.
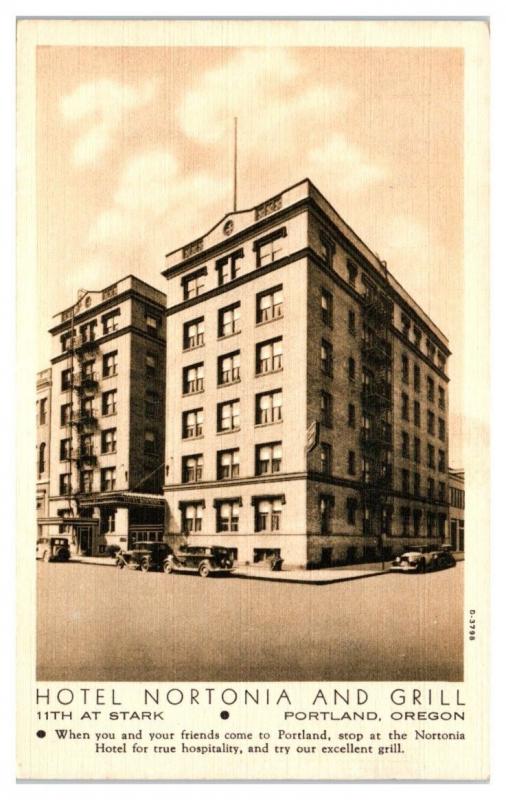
column 134, row 150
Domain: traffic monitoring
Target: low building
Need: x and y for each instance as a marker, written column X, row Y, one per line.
column 457, row 497
column 107, row 416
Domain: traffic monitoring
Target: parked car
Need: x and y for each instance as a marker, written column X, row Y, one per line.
column 423, row 559
column 144, row 556
column 53, row 548
column 203, row 560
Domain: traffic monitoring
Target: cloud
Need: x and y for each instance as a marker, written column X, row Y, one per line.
column 344, row 164
column 103, row 105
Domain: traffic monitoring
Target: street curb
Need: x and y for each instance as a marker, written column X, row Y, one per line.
column 323, row 582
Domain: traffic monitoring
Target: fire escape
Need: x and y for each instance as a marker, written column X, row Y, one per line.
column 376, row 432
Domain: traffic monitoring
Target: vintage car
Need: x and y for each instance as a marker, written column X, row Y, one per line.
column 53, row 548
column 423, row 559
column 144, row 556
column 203, row 560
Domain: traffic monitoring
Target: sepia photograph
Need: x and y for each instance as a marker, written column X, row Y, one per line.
column 249, row 333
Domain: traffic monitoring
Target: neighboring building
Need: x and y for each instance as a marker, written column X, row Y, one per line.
column 107, row 416
column 286, row 330
column 43, row 426
column 457, row 498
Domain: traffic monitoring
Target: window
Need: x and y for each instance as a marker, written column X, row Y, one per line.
column 192, row 468
column 43, row 411
column 87, row 369
column 42, row 458
column 366, row 469
column 193, row 423
column 268, row 515
column 151, row 364
column 351, row 369
column 268, row 458
column 109, row 440
column 109, row 400
column 193, row 378
column 151, row 404
column 65, row 449
column 327, row 304
column 352, row 273
column 325, row 458
column 441, row 463
column 417, row 450
column 86, row 445
column 229, row 416
column 405, row 444
column 351, row 462
column 405, row 518
column 269, row 407
column 326, row 409
column 430, row 523
column 270, row 304
column 441, row 397
column 150, row 443
column 110, row 322
column 108, row 479
column 87, row 331
column 326, row 505
column 352, row 328
column 87, row 481
column 152, row 324
column 442, row 491
column 87, row 408
column 430, row 488
column 270, row 356
column 228, row 464
column 416, row 484
column 351, row 415
column 441, row 361
column 229, row 320
column 66, row 342
column 430, row 388
column 431, row 349
column 430, row 456
column 441, row 429
column 193, row 333
column 351, row 510
column 65, row 413
column 228, row 267
column 416, row 377
column 405, row 369
column 405, row 406
column 406, row 324
column 328, row 249
column 417, row 336
column 430, row 422
column 416, row 413
column 229, row 368
column 227, row 515
column 65, row 483
column 108, row 521
column 269, row 248
column 192, row 514
column 110, row 364
column 66, row 379
column 193, row 284
column 405, row 481
column 326, row 357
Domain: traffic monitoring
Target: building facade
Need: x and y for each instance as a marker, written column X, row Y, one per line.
column 307, row 397
column 43, row 447
column 457, row 499
column 107, row 416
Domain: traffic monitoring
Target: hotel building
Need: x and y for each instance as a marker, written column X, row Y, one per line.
column 107, row 416
column 43, row 428
column 307, row 392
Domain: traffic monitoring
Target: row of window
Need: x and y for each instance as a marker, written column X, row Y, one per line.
column 268, row 409
column 431, row 451
column 110, row 323
column 417, row 491
column 430, row 385
column 269, row 306
column 42, row 405
column 269, row 248
column 267, row 515
column 152, row 406
column 414, row 334
column 268, row 459
column 108, row 443
column 107, row 481
column 457, row 497
column 268, row 358
column 431, row 417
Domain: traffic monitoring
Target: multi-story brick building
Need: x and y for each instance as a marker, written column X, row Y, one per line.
column 107, row 415
column 307, row 393
column 457, row 500
column 43, row 427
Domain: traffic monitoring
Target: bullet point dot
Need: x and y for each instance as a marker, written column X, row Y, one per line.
column 41, row 734
column 224, row 715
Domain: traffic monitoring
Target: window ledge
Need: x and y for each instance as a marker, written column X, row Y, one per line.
column 227, row 335
column 225, row 433
column 195, row 347
column 268, row 321
column 192, row 438
column 229, row 383
column 191, row 394
column 268, row 372
column 266, row 424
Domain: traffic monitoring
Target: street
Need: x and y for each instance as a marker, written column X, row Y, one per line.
column 98, row 623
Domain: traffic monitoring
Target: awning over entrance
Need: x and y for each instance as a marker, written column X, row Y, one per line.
column 122, row 499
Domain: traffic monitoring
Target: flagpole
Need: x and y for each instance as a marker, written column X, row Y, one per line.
column 235, row 163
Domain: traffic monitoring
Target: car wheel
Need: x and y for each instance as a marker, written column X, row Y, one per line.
column 167, row 567
column 145, row 566
column 204, row 569
column 421, row 567
column 45, row 556
column 120, row 563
